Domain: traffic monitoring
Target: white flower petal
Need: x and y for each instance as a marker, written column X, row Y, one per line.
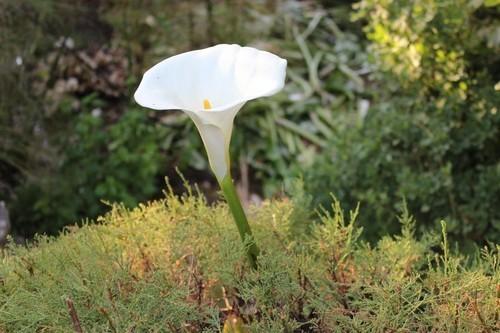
column 162, row 86
column 225, row 75
column 267, row 77
column 215, row 129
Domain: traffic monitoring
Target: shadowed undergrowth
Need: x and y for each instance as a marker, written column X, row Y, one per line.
column 177, row 265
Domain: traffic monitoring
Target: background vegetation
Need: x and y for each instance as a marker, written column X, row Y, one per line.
column 385, row 101
column 432, row 134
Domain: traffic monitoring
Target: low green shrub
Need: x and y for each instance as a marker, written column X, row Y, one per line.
column 177, row 265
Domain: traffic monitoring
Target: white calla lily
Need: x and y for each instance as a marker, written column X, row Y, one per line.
column 211, row 85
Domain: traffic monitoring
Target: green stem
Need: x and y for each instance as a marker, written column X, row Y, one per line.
column 240, row 218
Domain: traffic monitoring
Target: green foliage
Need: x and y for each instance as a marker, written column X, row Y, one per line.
column 177, row 265
column 117, row 163
column 434, row 44
column 442, row 169
column 432, row 137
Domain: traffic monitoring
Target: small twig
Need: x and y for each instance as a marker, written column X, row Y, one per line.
column 210, row 20
column 51, row 79
column 91, row 65
column 455, row 322
column 244, row 184
column 478, row 313
column 106, row 314
column 191, row 28
column 339, row 281
column 111, row 298
column 74, row 316
column 226, row 301
column 29, row 265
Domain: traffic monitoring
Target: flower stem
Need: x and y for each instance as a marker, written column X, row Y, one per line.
column 240, row 218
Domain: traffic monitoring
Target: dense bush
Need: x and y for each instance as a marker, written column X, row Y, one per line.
column 400, row 152
column 177, row 265
column 432, row 137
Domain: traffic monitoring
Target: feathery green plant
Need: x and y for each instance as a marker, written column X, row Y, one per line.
column 176, row 265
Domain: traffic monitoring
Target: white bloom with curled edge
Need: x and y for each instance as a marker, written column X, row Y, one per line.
column 211, row 85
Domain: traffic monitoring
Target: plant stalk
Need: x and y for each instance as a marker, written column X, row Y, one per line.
column 240, row 218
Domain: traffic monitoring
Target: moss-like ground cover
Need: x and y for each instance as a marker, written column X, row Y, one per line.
column 177, row 265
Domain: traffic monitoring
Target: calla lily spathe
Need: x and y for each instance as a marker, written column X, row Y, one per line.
column 211, row 85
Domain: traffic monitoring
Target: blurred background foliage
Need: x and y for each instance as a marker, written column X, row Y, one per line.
column 432, row 135
column 386, row 101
